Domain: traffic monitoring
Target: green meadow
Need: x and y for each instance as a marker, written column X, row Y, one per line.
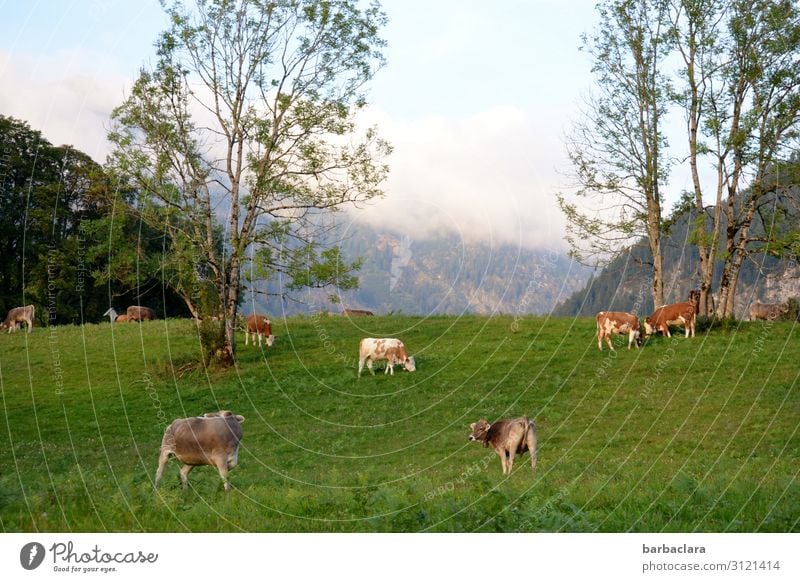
column 682, row 435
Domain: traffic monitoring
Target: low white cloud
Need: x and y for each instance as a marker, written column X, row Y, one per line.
column 491, row 177
column 68, row 97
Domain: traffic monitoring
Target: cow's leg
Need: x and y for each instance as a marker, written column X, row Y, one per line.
column 30, row 325
column 599, row 339
column 162, row 462
column 502, row 460
column 511, row 454
column 221, row 463
column 360, row 365
column 246, row 338
column 531, row 439
column 608, row 340
column 665, row 329
column 185, row 470
column 369, row 366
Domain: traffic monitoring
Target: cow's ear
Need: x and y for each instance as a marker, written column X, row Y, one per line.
column 240, row 418
column 472, row 426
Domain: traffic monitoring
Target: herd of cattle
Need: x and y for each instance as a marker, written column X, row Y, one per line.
column 213, row 439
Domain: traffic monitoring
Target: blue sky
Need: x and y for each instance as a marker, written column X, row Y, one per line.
column 475, row 97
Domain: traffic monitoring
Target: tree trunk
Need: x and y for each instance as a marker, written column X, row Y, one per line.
column 227, row 352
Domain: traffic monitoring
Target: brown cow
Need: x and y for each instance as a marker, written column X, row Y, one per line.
column 683, row 313
column 211, row 439
column 390, row 349
column 258, row 325
column 611, row 322
column 357, row 312
column 139, row 313
column 508, row 438
column 121, row 319
column 17, row 316
column 768, row 311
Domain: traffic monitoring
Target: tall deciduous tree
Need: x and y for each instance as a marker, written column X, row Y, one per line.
column 698, row 27
column 247, row 119
column 762, row 73
column 617, row 148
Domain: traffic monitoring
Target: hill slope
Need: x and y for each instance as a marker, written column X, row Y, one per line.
column 625, row 284
column 444, row 275
column 710, row 446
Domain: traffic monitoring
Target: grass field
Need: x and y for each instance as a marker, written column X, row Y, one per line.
column 683, row 435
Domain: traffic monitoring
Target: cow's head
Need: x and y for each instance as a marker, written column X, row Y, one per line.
column 270, row 340
column 648, row 327
column 410, row 364
column 480, row 430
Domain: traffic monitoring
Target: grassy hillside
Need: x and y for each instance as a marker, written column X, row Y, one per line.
column 682, row 435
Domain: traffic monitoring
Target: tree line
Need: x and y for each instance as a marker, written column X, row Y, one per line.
column 730, row 69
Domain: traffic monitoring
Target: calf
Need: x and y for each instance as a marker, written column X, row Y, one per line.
column 211, row 439
column 258, row 325
column 768, row 311
column 508, row 438
column 17, row 316
column 610, row 322
column 675, row 314
column 389, row 349
column 139, row 313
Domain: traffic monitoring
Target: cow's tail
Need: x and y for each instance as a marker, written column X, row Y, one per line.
column 530, row 436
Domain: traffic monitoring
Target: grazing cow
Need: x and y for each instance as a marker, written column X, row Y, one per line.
column 357, row 312
column 508, row 438
column 211, row 439
column 19, row 315
column 610, row 322
column 768, row 311
column 115, row 317
column 139, row 313
column 683, row 313
column 258, row 325
column 389, row 349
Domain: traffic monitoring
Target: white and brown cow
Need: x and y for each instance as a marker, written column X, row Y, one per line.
column 508, row 438
column 768, row 311
column 212, row 439
column 390, row 349
column 611, row 322
column 683, row 313
column 258, row 325
column 139, row 313
column 17, row 316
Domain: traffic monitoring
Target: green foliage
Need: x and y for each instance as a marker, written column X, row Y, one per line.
column 632, row 450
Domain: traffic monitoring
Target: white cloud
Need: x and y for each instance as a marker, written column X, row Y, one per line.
column 68, row 97
column 491, row 176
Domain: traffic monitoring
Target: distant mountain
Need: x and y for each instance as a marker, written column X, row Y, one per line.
column 443, row 275
column 625, row 284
